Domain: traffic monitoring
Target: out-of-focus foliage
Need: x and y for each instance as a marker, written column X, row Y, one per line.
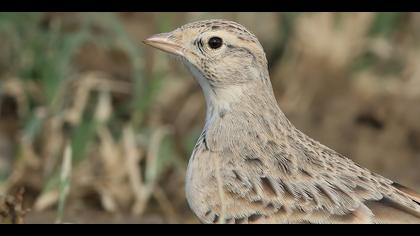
column 98, row 127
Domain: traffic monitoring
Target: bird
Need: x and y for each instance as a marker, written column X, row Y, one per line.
column 251, row 165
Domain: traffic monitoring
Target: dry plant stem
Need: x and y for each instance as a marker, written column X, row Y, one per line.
column 133, row 158
column 65, row 178
column 152, row 175
column 92, row 81
column 165, row 205
column 142, row 188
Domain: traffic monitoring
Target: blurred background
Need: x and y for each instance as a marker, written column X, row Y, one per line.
column 98, row 128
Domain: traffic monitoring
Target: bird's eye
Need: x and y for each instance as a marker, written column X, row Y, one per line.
column 215, row 42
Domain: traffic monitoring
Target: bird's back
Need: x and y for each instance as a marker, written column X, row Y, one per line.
column 256, row 167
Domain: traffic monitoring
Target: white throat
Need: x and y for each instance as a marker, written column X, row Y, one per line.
column 218, row 101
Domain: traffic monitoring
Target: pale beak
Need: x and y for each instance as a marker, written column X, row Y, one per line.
column 165, row 43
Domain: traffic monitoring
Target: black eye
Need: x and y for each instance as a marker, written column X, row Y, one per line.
column 215, row 42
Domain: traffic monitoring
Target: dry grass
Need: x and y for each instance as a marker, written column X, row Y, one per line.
column 99, row 128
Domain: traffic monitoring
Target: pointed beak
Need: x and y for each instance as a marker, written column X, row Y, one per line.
column 165, row 43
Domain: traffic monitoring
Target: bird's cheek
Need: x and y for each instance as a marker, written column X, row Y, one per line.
column 194, row 62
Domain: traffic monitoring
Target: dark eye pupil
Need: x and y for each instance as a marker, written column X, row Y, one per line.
column 215, row 42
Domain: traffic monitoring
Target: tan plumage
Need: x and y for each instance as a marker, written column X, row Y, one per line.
column 250, row 164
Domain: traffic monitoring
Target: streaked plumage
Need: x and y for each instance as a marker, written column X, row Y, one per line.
column 250, row 164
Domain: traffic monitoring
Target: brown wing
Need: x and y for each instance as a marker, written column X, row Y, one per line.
column 415, row 196
column 331, row 189
column 291, row 178
column 388, row 210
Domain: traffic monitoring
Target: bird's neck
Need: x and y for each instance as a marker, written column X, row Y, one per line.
column 219, row 99
column 255, row 97
column 242, row 115
column 252, row 98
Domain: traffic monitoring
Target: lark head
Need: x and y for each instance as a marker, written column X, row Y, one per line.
column 218, row 52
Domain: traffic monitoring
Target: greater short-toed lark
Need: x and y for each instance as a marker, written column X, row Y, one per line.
column 250, row 164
